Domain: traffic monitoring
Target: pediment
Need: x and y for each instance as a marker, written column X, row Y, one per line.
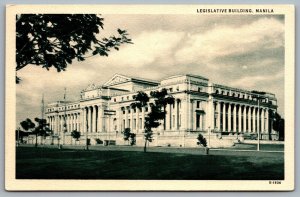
column 91, row 87
column 117, row 79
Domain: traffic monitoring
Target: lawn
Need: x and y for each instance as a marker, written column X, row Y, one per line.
column 47, row 163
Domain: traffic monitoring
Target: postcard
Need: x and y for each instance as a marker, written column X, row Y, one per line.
column 149, row 97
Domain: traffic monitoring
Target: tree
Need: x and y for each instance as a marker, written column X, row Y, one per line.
column 20, row 135
column 41, row 129
column 27, row 125
column 202, row 141
column 76, row 135
column 128, row 136
column 57, row 39
column 157, row 112
column 278, row 125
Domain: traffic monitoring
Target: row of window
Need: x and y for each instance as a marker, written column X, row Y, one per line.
column 237, row 95
column 134, row 126
column 62, row 108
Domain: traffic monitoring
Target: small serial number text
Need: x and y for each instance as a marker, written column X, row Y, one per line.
column 275, row 182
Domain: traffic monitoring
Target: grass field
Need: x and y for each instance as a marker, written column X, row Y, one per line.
column 47, row 163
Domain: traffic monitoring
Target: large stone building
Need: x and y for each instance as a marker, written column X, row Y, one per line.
column 218, row 112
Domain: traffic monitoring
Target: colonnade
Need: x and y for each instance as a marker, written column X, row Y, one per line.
column 56, row 122
column 93, row 119
column 226, row 117
column 232, row 117
column 134, row 119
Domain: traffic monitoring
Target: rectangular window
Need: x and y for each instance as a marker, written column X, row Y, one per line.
column 129, row 126
column 134, row 124
column 197, row 120
column 140, row 123
column 123, row 126
column 173, row 120
column 179, row 121
column 198, row 104
column 146, row 109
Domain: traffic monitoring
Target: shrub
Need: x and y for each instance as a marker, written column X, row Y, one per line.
column 201, row 140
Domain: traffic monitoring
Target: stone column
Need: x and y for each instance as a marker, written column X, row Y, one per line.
column 119, row 118
column 100, row 118
column 143, row 118
column 240, row 119
column 245, row 119
column 229, row 117
column 66, row 122
column 88, row 121
column 50, row 122
column 219, row 116
column 131, row 118
column 78, row 120
column 126, row 117
column 71, row 122
column 267, row 120
column 75, row 121
column 55, row 123
column 167, row 117
column 224, row 117
column 94, row 119
column 82, row 120
column 262, row 120
column 249, row 119
column 176, row 114
column 254, row 118
column 258, row 120
column 194, row 116
column 137, row 117
column 234, row 118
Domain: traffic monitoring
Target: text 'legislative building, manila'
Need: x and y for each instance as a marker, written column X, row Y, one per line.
column 222, row 113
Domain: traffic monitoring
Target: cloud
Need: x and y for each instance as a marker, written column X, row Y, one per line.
column 240, row 51
column 256, row 81
column 148, row 47
column 224, row 40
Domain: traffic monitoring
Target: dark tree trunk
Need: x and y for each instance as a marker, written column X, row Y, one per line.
column 145, row 147
column 36, row 136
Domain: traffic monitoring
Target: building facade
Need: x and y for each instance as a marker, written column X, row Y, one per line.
column 221, row 112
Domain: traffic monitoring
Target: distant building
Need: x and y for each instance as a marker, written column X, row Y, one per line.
column 200, row 106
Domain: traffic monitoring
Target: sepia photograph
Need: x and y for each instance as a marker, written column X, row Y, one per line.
column 160, row 97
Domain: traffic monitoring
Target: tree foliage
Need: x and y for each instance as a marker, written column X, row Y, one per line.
column 128, row 136
column 57, row 39
column 27, row 124
column 76, row 135
column 201, row 140
column 278, row 125
column 157, row 112
column 20, row 135
column 41, row 128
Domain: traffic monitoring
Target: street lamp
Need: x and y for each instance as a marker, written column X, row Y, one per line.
column 209, row 137
column 259, row 96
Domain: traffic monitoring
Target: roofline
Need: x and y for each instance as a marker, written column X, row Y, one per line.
column 187, row 75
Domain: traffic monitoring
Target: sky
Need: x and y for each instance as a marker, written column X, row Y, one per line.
column 242, row 51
